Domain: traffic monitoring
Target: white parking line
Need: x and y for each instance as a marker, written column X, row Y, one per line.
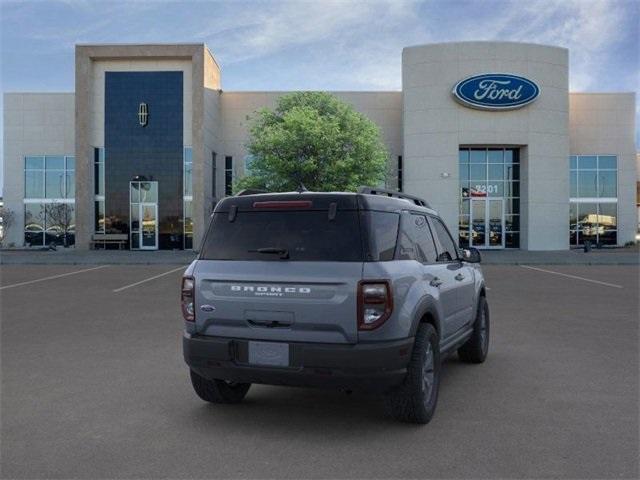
column 52, row 277
column 149, row 279
column 575, row 277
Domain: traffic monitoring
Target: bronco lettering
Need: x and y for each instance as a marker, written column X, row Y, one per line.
column 269, row 289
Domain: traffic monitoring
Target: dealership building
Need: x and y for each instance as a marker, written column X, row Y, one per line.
column 487, row 132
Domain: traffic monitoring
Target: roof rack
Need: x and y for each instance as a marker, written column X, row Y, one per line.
column 391, row 193
column 250, row 191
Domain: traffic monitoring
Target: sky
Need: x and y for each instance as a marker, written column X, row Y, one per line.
column 317, row 45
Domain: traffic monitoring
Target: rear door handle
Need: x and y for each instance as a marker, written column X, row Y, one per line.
column 436, row 282
column 459, row 277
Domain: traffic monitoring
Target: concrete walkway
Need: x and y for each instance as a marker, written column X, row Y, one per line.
column 70, row 256
column 613, row 256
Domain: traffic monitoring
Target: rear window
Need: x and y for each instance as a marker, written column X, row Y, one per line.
column 304, row 235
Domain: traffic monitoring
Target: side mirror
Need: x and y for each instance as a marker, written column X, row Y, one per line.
column 471, row 255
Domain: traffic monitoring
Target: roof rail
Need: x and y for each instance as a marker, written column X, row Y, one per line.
column 391, row 193
column 250, row 191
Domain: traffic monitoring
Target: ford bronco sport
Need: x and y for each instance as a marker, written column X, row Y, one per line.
column 351, row 290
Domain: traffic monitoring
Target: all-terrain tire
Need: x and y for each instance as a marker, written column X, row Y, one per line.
column 476, row 348
column 415, row 400
column 218, row 391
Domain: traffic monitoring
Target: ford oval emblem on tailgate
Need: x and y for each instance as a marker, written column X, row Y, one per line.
column 207, row 308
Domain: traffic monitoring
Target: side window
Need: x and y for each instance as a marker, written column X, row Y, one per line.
column 383, row 233
column 449, row 251
column 406, row 241
column 415, row 240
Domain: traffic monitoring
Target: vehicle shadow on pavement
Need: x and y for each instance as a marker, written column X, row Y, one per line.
column 280, row 410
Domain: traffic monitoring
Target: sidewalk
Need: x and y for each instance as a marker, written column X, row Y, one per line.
column 613, row 256
column 70, row 256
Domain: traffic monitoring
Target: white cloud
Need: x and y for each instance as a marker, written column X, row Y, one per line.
column 590, row 29
column 256, row 32
column 364, row 39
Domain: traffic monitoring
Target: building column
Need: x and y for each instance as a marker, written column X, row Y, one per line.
column 83, row 152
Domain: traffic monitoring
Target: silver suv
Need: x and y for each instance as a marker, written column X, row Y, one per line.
column 357, row 291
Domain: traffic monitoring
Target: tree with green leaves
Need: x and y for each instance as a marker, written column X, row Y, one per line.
column 314, row 139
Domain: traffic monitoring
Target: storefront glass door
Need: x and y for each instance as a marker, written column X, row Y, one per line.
column 490, row 178
column 487, row 226
column 144, row 215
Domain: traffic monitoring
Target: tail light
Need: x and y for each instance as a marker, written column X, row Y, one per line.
column 375, row 303
column 187, row 298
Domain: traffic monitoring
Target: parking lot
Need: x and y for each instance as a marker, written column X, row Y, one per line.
column 94, row 386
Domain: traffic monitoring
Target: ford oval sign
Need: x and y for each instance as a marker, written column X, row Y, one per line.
column 496, row 91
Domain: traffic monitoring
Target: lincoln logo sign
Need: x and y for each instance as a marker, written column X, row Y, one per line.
column 143, row 114
column 496, row 91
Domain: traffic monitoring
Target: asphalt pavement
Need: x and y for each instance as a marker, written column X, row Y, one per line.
column 94, row 386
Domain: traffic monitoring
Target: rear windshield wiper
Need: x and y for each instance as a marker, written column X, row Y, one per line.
column 283, row 252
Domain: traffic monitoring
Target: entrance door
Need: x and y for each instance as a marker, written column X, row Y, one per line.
column 144, row 215
column 149, row 226
column 487, row 223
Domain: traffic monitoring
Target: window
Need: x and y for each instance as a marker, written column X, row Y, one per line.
column 98, row 189
column 213, row 174
column 98, row 219
column 228, row 175
column 34, row 224
column 54, row 177
column 187, row 198
column 426, row 245
column 416, row 241
column 448, row 250
column 49, row 176
column 593, row 204
column 305, row 235
column 188, row 225
column 70, row 177
column 34, row 184
column 188, row 172
column 59, row 223
column 399, row 173
column 49, row 197
column 382, row 233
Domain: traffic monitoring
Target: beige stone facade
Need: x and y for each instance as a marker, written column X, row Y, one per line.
column 423, row 123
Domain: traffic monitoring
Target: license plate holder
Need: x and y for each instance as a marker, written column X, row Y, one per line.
column 273, row 354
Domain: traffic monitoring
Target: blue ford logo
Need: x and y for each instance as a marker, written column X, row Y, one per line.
column 496, row 91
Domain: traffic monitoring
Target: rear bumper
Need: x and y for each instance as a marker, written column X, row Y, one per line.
column 368, row 367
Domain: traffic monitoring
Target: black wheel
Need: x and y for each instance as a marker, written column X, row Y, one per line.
column 476, row 348
column 415, row 400
column 218, row 391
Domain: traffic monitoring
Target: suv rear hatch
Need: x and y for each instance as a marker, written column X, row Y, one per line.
column 281, row 267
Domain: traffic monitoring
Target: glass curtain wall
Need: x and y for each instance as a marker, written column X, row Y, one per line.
column 49, row 200
column 593, row 207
